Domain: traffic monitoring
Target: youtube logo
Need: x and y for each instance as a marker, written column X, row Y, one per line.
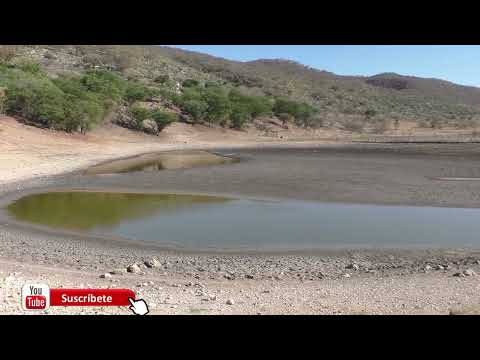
column 35, row 297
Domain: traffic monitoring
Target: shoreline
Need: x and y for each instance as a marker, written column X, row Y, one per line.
column 365, row 281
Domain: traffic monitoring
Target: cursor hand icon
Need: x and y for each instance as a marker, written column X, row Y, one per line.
column 138, row 307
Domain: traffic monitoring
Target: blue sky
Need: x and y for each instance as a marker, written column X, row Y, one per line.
column 456, row 63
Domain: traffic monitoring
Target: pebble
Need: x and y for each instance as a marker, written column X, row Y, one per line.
column 428, row 267
column 118, row 271
column 469, row 272
column 346, row 275
column 133, row 268
column 151, row 263
column 353, row 267
column 230, row 302
column 106, row 276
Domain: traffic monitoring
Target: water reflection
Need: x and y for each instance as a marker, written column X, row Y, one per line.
column 89, row 210
column 161, row 161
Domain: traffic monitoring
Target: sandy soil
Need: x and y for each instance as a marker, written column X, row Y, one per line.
column 349, row 283
column 27, row 152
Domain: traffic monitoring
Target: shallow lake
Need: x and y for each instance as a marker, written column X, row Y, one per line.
column 167, row 160
column 206, row 222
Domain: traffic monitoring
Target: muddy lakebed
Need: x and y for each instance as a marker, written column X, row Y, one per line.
column 274, row 199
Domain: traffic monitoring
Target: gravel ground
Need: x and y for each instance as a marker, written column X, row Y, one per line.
column 389, row 281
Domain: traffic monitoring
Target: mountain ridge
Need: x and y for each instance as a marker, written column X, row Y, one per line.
column 338, row 99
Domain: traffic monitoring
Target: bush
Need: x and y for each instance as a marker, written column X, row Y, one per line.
column 67, row 103
column 196, row 108
column 34, row 98
column 163, row 118
column 30, row 67
column 190, row 83
column 240, row 115
column 104, row 83
column 301, row 112
column 218, row 104
column 139, row 114
column 136, row 92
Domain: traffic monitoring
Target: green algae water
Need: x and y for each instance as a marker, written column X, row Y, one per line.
column 92, row 210
column 210, row 222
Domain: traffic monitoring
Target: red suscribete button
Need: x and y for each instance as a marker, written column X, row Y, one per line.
column 90, row 297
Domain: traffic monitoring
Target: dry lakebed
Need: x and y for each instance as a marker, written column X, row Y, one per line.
column 323, row 229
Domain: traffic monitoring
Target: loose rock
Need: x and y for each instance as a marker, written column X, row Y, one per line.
column 134, row 268
column 469, row 272
column 152, row 263
column 353, row 267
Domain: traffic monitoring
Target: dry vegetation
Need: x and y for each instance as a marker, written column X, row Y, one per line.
column 194, row 87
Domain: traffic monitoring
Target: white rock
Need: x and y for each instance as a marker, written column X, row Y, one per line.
column 469, row 272
column 106, row 276
column 152, row 263
column 230, row 302
column 133, row 268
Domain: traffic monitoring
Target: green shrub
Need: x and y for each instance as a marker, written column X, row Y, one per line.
column 163, row 118
column 139, row 114
column 240, row 117
column 301, row 112
column 190, row 83
column 67, row 103
column 218, row 104
column 30, row 67
column 136, row 92
column 196, row 108
column 105, row 83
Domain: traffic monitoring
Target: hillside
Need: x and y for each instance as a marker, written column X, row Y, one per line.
column 171, row 84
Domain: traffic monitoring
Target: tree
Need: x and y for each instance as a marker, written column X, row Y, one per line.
column 196, row 108
column 218, row 104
